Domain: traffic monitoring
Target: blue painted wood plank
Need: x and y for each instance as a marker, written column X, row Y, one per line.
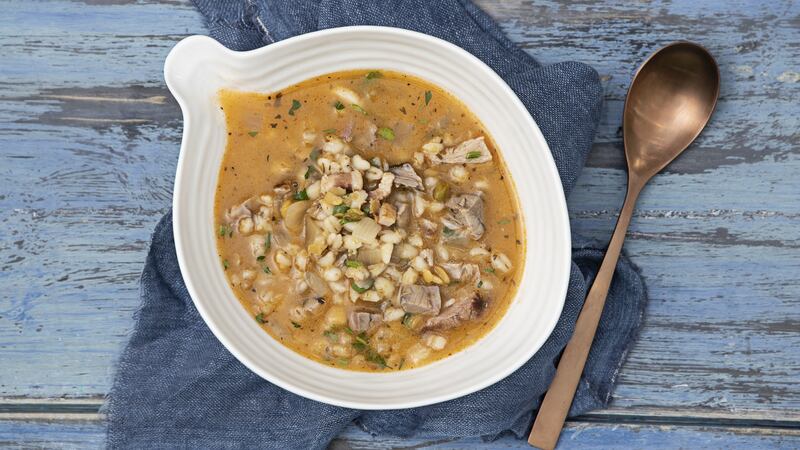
column 87, row 435
column 86, row 178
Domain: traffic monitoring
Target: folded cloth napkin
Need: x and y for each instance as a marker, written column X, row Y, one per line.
column 177, row 386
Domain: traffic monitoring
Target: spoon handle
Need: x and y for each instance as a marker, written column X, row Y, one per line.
column 557, row 401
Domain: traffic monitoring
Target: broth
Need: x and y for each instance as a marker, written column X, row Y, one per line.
column 366, row 220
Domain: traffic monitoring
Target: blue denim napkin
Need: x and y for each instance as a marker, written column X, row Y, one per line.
column 177, row 386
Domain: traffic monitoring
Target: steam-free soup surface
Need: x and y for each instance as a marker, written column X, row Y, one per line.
column 365, row 220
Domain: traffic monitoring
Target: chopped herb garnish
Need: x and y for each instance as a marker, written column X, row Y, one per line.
column 343, row 362
column 261, row 318
column 225, row 264
column 375, row 357
column 268, row 241
column 489, row 270
column 329, row 131
column 295, row 106
column 223, row 230
column 504, row 221
column 352, row 263
column 330, row 334
column 353, row 215
column 361, row 289
column 296, row 325
column 402, row 361
column 428, row 96
column 447, row 231
column 473, row 154
column 301, row 195
column 423, row 121
column 338, row 105
column 386, row 133
column 407, row 319
column 314, row 155
column 260, row 258
column 362, row 338
column 309, row 171
column 374, row 74
column 359, row 109
column 266, row 270
column 480, row 284
column 339, row 210
column 403, row 109
column 252, row 133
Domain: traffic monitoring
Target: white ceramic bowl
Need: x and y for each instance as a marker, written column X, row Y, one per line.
column 198, row 67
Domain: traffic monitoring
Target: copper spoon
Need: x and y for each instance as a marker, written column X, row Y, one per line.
column 669, row 102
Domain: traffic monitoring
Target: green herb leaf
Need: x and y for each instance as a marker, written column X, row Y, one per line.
column 407, row 319
column 301, row 195
column 489, row 270
column 268, row 241
column 339, row 210
column 223, row 230
column 329, row 131
column 331, row 335
column 360, row 346
column 296, row 325
column 352, row 264
column 375, row 358
column 480, row 284
column 225, row 264
column 343, row 361
column 447, row 231
column 504, row 221
column 309, row 171
column 314, row 155
column 362, row 337
column 386, row 133
column 374, row 74
column 261, row 318
column 359, row 109
column 402, row 361
column 473, row 154
column 428, row 96
column 362, row 289
column 266, row 270
column 252, row 133
column 295, row 106
column 260, row 258
column 338, row 105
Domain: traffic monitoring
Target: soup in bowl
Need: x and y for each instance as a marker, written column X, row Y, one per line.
column 365, row 220
column 366, row 216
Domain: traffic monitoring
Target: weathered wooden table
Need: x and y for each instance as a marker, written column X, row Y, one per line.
column 89, row 139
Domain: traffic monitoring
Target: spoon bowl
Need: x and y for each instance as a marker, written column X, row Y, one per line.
column 669, row 102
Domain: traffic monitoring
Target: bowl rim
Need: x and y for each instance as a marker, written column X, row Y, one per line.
column 423, row 39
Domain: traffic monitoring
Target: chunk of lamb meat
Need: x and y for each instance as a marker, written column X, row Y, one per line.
column 461, row 272
column 467, row 307
column 363, row 320
column 384, row 187
column 418, row 299
column 472, row 151
column 466, row 215
column 237, row 213
column 348, row 180
column 405, row 176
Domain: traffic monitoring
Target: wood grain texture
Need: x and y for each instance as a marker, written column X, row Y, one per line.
column 91, row 434
column 89, row 139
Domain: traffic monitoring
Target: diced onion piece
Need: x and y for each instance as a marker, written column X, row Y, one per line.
column 295, row 213
column 364, row 230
